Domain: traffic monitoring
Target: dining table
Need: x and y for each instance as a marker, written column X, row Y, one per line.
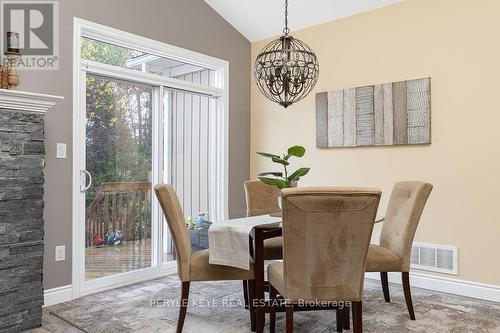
column 255, row 229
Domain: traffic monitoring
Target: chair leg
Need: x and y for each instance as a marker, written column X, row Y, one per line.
column 357, row 317
column 385, row 286
column 183, row 307
column 272, row 313
column 407, row 291
column 289, row 319
column 340, row 319
column 251, row 292
column 245, row 293
column 347, row 318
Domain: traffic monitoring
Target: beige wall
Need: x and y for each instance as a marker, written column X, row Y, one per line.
column 191, row 24
column 456, row 42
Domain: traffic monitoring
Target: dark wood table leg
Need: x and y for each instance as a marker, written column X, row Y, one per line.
column 251, row 292
column 259, row 279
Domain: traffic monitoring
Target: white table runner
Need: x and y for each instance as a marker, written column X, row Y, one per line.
column 228, row 240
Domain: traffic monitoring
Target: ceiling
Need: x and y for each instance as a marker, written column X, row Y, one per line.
column 261, row 19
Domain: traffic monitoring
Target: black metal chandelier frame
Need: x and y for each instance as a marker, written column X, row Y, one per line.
column 286, row 69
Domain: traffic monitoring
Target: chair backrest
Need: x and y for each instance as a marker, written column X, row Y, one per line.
column 326, row 235
column 261, row 198
column 403, row 213
column 175, row 219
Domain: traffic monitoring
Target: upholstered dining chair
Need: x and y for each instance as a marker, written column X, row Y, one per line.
column 191, row 266
column 262, row 199
column 403, row 213
column 326, row 235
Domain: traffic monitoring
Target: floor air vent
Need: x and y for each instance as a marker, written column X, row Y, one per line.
column 434, row 257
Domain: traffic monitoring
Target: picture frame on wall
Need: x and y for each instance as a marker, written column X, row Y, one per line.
column 396, row 113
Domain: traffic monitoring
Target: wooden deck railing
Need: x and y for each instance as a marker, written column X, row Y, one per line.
column 120, row 206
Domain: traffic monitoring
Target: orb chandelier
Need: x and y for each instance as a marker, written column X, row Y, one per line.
column 286, row 69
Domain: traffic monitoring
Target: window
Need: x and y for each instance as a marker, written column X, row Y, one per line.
column 125, row 57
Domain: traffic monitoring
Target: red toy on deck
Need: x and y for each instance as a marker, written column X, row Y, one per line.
column 98, row 241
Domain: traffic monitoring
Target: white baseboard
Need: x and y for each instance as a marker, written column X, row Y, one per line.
column 482, row 291
column 57, row 295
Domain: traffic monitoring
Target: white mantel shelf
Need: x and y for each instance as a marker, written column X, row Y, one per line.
column 27, row 101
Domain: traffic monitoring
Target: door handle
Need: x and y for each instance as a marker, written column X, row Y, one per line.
column 83, row 186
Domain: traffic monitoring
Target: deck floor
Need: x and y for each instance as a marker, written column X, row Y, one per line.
column 108, row 260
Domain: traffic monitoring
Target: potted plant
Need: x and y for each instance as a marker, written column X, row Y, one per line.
column 283, row 179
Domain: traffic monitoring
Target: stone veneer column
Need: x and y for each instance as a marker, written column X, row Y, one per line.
column 21, row 208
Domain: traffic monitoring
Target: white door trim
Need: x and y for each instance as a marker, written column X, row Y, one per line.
column 77, row 139
column 128, row 40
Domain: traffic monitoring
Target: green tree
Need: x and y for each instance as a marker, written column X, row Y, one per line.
column 119, row 123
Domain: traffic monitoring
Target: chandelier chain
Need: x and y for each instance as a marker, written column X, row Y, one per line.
column 286, row 30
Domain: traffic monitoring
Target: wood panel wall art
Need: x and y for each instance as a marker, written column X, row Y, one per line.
column 397, row 113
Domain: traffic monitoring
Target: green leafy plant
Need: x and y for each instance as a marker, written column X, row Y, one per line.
column 283, row 179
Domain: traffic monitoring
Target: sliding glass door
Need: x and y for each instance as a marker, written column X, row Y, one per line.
column 145, row 113
column 134, row 138
column 118, row 161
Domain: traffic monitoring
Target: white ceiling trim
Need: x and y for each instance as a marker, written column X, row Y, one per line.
column 261, row 19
